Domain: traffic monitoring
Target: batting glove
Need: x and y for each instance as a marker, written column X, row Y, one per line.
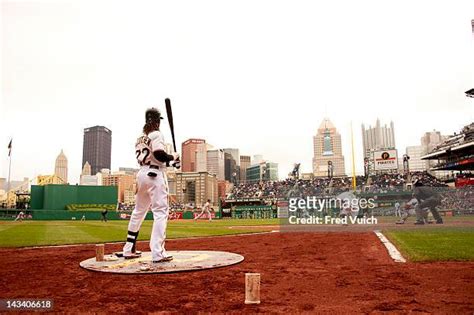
column 176, row 164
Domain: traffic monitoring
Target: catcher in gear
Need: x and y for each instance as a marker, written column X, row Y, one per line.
column 152, row 188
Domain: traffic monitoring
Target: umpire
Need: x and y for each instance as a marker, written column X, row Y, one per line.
column 429, row 198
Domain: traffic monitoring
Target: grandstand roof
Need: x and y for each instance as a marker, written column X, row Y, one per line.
column 440, row 154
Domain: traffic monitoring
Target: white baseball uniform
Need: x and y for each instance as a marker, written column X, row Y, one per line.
column 152, row 190
column 349, row 204
column 205, row 208
column 20, row 216
column 398, row 212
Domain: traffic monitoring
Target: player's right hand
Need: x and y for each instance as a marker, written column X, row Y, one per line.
column 175, row 157
column 176, row 164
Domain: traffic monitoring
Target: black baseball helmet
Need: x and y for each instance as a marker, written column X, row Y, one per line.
column 152, row 115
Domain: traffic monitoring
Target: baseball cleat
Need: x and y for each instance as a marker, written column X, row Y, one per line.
column 165, row 259
column 132, row 256
column 419, row 223
column 120, row 254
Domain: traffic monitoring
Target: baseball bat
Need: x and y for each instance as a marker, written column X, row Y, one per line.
column 169, row 114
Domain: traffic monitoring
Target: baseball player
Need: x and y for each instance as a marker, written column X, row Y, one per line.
column 152, row 188
column 398, row 212
column 409, row 206
column 349, row 204
column 206, row 208
column 20, row 216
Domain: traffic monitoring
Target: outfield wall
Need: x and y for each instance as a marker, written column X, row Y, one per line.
column 57, row 197
column 91, row 215
column 77, row 215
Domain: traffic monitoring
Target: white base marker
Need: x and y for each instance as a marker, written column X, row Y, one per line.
column 392, row 250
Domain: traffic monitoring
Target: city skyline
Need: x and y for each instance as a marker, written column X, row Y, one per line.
column 284, row 76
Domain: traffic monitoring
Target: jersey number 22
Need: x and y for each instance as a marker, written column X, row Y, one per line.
column 142, row 156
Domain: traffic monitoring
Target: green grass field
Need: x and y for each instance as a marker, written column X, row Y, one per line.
column 435, row 244
column 36, row 233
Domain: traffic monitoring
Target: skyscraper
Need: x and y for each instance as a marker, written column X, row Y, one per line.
column 244, row 164
column 230, row 168
column 327, row 151
column 189, row 148
column 378, row 138
column 428, row 142
column 216, row 163
column 235, row 154
column 60, row 167
column 97, row 148
column 201, row 156
column 416, row 164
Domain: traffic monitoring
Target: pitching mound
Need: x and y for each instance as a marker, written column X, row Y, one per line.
column 185, row 260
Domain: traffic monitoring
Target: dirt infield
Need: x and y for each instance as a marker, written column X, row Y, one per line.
column 301, row 272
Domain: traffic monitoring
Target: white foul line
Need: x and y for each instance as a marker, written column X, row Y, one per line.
column 392, row 250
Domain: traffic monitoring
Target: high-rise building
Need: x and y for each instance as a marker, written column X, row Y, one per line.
column 378, row 138
column 188, row 158
column 123, row 181
column 201, row 156
column 231, row 170
column 60, row 167
column 245, row 162
column 415, row 163
column 429, row 141
column 235, row 154
column 232, row 165
column 262, row 171
column 216, row 163
column 196, row 188
column 327, row 151
column 257, row 159
column 97, row 148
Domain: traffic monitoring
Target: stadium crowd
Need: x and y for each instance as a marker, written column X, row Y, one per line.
column 461, row 199
column 297, row 187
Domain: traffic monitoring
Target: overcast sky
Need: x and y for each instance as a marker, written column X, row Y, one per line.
column 256, row 75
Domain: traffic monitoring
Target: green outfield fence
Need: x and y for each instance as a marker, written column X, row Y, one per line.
column 76, row 215
column 58, row 197
column 44, row 215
